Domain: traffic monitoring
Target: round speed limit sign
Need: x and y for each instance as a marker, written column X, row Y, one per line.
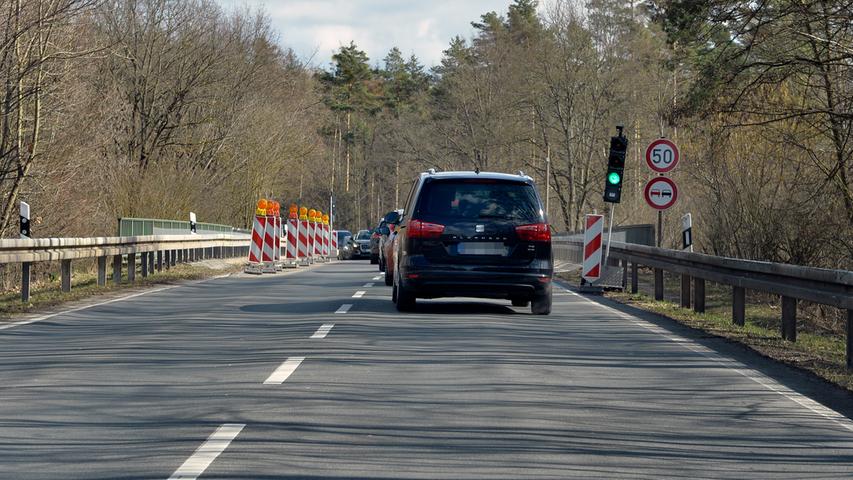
column 662, row 155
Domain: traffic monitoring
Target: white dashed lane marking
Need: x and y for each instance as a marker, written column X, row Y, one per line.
column 358, row 294
column 323, row 330
column 367, row 285
column 344, row 308
column 284, row 370
column 215, row 444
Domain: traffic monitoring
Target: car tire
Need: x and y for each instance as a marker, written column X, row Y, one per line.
column 520, row 302
column 374, row 259
column 541, row 304
column 404, row 298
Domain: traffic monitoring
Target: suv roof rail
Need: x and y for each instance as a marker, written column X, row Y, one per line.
column 431, row 171
column 521, row 174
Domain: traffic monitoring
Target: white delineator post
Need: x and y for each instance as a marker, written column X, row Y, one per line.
column 26, row 232
column 687, row 232
column 592, row 236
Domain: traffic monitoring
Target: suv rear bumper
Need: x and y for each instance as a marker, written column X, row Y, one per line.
column 436, row 283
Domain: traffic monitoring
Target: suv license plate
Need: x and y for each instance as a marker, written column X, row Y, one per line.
column 481, row 248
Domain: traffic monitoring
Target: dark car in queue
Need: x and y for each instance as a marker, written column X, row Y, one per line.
column 375, row 236
column 343, row 237
column 361, row 244
column 388, row 255
column 385, row 233
column 473, row 234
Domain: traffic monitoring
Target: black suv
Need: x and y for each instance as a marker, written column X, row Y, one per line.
column 473, row 234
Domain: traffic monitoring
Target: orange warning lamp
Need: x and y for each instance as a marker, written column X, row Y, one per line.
column 311, row 214
column 276, row 209
column 326, row 219
column 294, row 211
column 262, row 207
column 303, row 213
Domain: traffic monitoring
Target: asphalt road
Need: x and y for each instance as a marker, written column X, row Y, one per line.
column 222, row 379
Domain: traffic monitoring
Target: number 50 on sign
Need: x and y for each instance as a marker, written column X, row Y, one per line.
column 662, row 155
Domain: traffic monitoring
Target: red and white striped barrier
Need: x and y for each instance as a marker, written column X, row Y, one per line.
column 327, row 243
column 291, row 254
column 302, row 246
column 277, row 246
column 334, row 241
column 592, row 240
column 318, row 241
column 269, row 246
column 257, row 246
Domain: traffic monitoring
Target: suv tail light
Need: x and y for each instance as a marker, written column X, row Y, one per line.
column 535, row 232
column 419, row 229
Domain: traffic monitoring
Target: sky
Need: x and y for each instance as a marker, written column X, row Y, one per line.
column 315, row 29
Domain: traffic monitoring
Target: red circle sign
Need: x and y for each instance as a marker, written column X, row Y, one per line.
column 662, row 155
column 661, row 193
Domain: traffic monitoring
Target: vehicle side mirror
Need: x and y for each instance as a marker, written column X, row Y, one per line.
column 392, row 217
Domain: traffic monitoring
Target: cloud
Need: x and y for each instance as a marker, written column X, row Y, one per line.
column 423, row 28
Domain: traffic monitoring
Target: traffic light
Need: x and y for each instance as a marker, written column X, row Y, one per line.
column 615, row 167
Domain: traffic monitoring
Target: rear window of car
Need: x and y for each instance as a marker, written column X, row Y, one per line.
column 479, row 199
column 363, row 235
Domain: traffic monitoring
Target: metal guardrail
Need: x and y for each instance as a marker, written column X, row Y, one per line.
column 791, row 282
column 156, row 252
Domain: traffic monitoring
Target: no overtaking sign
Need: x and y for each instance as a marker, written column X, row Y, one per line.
column 661, row 193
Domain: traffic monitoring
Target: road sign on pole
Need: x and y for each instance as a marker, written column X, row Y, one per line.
column 662, row 155
column 661, row 193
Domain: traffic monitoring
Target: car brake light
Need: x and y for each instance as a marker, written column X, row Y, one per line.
column 535, row 232
column 419, row 229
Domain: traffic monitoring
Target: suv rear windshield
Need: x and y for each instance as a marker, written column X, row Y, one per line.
column 363, row 235
column 479, row 199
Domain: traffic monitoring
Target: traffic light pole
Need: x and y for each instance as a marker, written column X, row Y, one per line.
column 609, row 234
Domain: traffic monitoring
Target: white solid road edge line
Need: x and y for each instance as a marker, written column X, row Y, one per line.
column 737, row 366
column 84, row 307
column 204, row 455
column 323, row 330
column 284, row 370
column 358, row 294
column 107, row 302
column 344, row 308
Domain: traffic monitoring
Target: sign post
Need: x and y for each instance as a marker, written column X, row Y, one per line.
column 192, row 223
column 662, row 156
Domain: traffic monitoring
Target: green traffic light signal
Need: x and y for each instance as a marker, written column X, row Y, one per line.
column 614, row 178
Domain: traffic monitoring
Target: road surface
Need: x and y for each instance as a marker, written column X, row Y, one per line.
column 314, row 374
